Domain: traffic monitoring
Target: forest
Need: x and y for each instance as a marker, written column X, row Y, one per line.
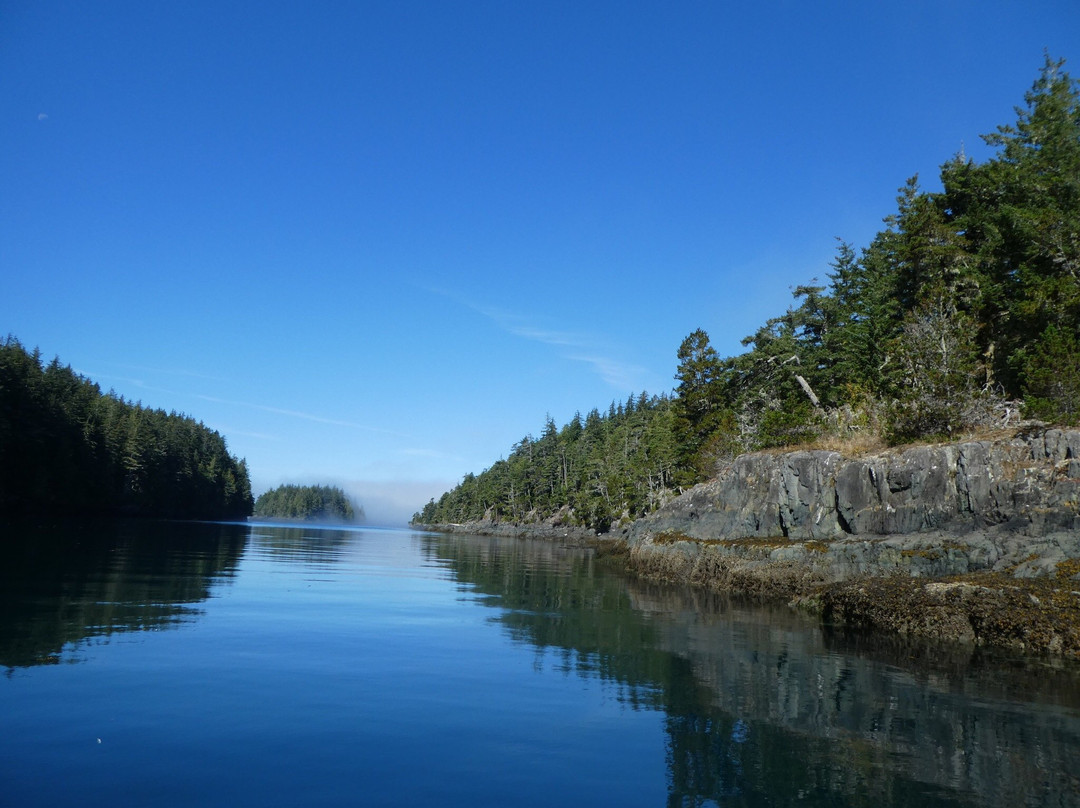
column 961, row 316
column 66, row 448
column 307, row 502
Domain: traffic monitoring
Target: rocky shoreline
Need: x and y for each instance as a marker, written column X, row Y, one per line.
column 927, row 587
column 516, row 530
column 975, row 542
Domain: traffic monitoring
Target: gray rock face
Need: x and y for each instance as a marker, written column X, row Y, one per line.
column 861, row 540
column 1027, row 484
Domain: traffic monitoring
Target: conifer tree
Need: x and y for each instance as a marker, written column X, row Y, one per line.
column 700, row 414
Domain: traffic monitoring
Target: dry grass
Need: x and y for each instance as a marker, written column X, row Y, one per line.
column 860, row 443
column 855, row 444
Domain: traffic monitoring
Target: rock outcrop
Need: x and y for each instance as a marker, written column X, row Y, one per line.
column 995, row 522
column 1028, row 483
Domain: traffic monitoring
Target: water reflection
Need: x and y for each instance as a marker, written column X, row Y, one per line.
column 759, row 706
column 72, row 583
column 306, row 545
column 764, row 707
column 552, row 598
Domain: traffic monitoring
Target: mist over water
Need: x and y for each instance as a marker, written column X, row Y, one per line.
column 389, row 503
column 255, row 664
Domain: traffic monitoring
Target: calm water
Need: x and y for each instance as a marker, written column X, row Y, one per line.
column 168, row 664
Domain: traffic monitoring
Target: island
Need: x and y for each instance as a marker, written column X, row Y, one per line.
column 317, row 503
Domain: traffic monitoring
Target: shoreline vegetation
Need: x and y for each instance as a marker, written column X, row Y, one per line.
column 962, row 316
column 881, row 453
column 1000, row 570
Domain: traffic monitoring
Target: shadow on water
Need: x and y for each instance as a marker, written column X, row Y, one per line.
column 764, row 707
column 77, row 582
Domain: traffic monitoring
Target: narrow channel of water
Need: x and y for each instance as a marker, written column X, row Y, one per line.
column 184, row 664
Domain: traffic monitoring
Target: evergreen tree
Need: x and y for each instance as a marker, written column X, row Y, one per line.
column 67, row 448
column 1020, row 212
column 1052, row 376
column 307, row 502
column 967, row 299
column 594, row 472
column 700, row 414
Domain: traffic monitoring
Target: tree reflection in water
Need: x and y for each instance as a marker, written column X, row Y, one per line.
column 764, row 706
column 79, row 582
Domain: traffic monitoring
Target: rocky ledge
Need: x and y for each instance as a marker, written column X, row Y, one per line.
column 976, row 541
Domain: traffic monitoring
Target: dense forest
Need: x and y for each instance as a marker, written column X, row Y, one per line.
column 68, row 448
column 962, row 314
column 309, row 502
column 593, row 469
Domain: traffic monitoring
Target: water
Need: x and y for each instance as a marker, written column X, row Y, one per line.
column 197, row 664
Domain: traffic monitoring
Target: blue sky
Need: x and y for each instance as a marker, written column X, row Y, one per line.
column 375, row 244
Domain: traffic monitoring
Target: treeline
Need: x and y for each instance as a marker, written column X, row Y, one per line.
column 68, row 448
column 595, row 470
column 963, row 313
column 315, row 502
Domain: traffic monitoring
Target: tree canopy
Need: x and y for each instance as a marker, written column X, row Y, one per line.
column 595, row 470
column 68, row 448
column 962, row 313
column 307, row 502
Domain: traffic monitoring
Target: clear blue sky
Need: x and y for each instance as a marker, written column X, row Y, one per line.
column 375, row 244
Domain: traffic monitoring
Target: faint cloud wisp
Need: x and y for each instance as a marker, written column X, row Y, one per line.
column 618, row 374
column 319, row 419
